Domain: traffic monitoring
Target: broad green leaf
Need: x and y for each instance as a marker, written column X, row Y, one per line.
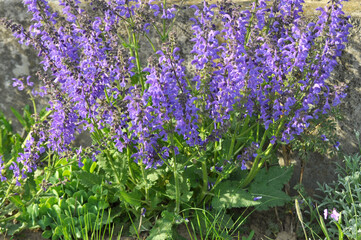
column 162, row 229
column 132, row 198
column 229, row 195
column 63, row 205
column 66, row 173
column 33, row 210
column 44, row 222
column 47, row 234
column 93, row 200
column 269, row 184
column 80, row 196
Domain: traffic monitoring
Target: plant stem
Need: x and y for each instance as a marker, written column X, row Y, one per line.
column 112, row 165
column 205, row 178
column 177, row 189
column 260, row 158
column 176, row 177
column 145, row 181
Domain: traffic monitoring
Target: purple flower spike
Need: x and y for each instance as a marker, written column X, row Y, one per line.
column 257, row 198
column 243, row 167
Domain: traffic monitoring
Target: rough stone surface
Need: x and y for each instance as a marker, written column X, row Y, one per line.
column 17, row 60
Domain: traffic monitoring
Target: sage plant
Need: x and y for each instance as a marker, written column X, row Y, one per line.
column 258, row 78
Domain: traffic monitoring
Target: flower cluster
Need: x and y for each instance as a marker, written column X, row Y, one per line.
column 266, row 62
column 275, row 70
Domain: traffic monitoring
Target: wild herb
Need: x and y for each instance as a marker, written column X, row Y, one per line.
column 166, row 136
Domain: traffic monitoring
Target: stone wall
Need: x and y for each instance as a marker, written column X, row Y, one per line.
column 18, row 60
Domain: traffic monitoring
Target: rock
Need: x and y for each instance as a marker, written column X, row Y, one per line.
column 286, row 236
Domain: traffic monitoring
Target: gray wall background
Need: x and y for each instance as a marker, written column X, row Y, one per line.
column 19, row 60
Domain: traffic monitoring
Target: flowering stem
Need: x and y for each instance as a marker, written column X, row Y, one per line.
column 258, row 162
column 137, row 61
column 249, row 28
column 176, row 178
column 177, row 189
column 145, row 181
column 116, row 173
column 129, row 162
column 205, row 179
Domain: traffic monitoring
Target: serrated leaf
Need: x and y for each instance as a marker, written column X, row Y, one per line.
column 229, row 195
column 269, row 184
column 152, row 177
column 88, row 179
column 115, row 165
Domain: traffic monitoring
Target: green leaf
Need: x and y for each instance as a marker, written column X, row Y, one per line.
column 57, row 232
column 63, row 205
column 80, row 196
column 17, row 201
column 88, row 179
column 115, row 164
column 47, row 234
column 15, row 228
column 162, row 229
column 269, row 184
column 93, row 166
column 152, row 177
column 51, row 201
column 19, row 117
column 93, row 200
column 66, row 173
column 33, row 210
column 185, row 192
column 133, row 198
column 44, row 222
column 229, row 195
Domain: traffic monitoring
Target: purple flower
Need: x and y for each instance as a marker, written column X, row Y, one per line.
column 336, row 145
column 276, row 73
column 18, row 83
column 324, row 138
column 335, row 215
column 257, row 198
column 243, row 167
column 143, row 212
